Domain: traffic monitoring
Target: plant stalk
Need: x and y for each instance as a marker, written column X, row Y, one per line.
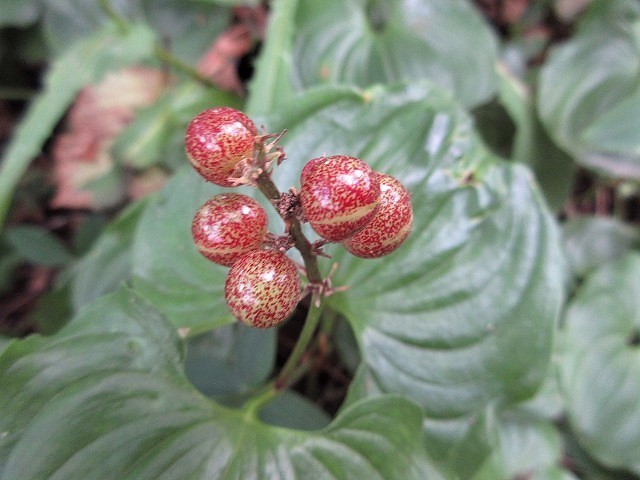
column 304, row 246
column 286, row 376
column 169, row 58
column 115, row 17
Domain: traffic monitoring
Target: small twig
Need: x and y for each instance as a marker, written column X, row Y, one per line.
column 169, row 58
column 115, row 17
column 290, row 371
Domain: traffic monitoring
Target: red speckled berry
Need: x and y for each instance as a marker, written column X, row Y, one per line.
column 227, row 226
column 216, row 140
column 262, row 288
column 389, row 227
column 339, row 195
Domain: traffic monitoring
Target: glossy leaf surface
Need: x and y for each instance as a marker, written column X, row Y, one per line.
column 464, row 312
column 108, row 263
column 109, row 388
column 590, row 242
column 167, row 268
column 600, row 372
column 588, row 96
column 364, row 42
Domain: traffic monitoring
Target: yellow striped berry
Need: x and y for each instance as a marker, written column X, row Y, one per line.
column 216, row 140
column 390, row 225
column 227, row 226
column 339, row 195
column 262, row 288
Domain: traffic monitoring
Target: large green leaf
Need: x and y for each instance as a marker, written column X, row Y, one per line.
column 108, row 264
column 589, row 93
column 157, row 133
column 85, row 62
column 271, row 85
column 38, row 246
column 363, row 42
column 19, row 13
column 228, row 363
column 600, row 364
column 106, row 398
column 463, row 314
column 590, row 242
column 527, row 445
column 460, row 316
column 187, row 28
column 167, row 268
column 464, row 444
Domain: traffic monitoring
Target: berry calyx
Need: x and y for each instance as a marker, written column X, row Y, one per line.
column 262, row 288
column 390, row 225
column 217, row 140
column 228, row 226
column 339, row 195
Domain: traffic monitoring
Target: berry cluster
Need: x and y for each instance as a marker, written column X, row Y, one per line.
column 343, row 199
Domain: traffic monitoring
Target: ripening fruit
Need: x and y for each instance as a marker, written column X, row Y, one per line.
column 262, row 288
column 216, row 140
column 339, row 195
column 390, row 225
column 227, row 226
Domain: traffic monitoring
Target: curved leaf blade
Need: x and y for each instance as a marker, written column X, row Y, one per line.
column 383, row 41
column 85, row 62
column 588, row 90
column 599, row 369
column 109, row 389
column 463, row 314
column 167, row 269
column 108, row 263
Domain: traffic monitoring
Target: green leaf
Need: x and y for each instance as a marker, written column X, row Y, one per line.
column 38, row 246
column 364, row 42
column 590, row 242
column 617, row 130
column 53, row 308
column 600, row 373
column 553, row 168
column 588, row 95
column 168, row 270
column 4, row 343
column 527, row 444
column 271, row 84
column 292, row 410
column 84, row 63
column 9, row 261
column 108, row 264
column 148, row 138
column 188, row 28
column 227, row 363
column 88, row 232
column 586, row 465
column 232, row 3
column 109, row 389
column 463, row 314
column 464, row 444
column 548, row 402
column 19, row 13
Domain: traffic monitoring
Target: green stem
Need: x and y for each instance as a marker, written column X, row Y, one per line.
column 169, row 58
column 304, row 246
column 260, row 399
column 115, row 17
column 287, row 376
column 291, row 370
column 273, row 69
